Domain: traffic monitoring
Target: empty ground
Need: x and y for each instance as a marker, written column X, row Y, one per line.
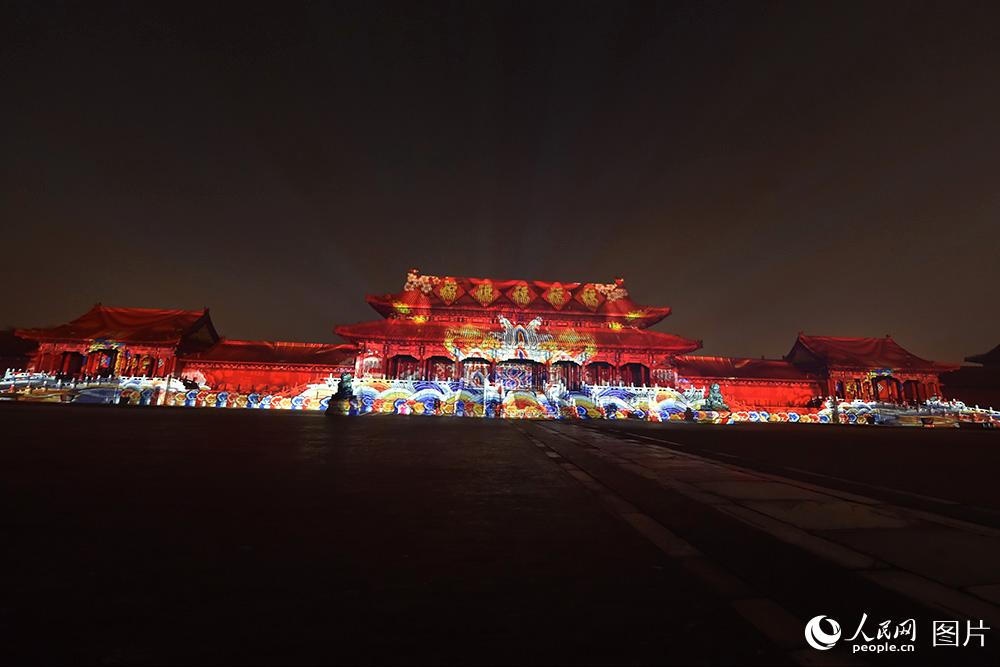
column 171, row 535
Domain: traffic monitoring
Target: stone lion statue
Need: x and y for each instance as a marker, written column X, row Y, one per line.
column 714, row 400
column 340, row 402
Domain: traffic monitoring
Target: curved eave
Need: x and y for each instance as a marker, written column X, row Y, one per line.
column 388, row 305
column 648, row 318
column 43, row 336
column 655, row 342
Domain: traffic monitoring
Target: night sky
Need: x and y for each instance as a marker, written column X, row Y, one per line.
column 762, row 168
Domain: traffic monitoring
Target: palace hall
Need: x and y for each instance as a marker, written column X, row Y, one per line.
column 526, row 337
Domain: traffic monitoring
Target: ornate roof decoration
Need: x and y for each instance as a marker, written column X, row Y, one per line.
column 445, row 296
column 521, row 295
column 590, row 296
column 484, row 292
column 557, row 295
column 448, row 290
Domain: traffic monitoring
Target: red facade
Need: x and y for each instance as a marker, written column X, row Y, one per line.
column 526, row 333
column 108, row 341
column 869, row 369
column 267, row 367
column 444, row 327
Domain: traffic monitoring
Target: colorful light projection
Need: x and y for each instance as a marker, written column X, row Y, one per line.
column 518, row 341
column 461, row 399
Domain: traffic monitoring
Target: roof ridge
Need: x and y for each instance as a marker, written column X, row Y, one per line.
column 101, row 306
column 277, row 343
column 617, row 280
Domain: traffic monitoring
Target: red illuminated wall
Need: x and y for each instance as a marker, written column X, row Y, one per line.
column 758, row 393
column 271, row 378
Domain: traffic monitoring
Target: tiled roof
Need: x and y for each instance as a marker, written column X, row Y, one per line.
column 735, row 367
column 135, row 325
column 423, row 294
column 276, row 352
column 871, row 353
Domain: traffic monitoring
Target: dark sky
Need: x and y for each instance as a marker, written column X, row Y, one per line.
column 762, row 168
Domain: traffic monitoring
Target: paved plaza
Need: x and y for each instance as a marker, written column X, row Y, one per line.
column 190, row 536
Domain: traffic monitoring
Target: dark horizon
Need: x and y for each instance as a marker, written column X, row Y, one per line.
column 762, row 169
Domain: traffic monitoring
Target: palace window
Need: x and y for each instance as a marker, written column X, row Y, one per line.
column 568, row 373
column 600, row 372
column 440, row 369
column 404, row 367
column 635, row 374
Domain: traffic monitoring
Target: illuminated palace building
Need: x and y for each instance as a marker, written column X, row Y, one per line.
column 534, row 335
column 470, row 346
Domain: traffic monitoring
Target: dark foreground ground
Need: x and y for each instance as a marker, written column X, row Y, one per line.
column 954, row 471
column 167, row 535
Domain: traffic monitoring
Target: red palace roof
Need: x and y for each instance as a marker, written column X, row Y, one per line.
column 734, row 367
column 448, row 294
column 866, row 353
column 134, row 325
column 276, row 352
column 399, row 329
